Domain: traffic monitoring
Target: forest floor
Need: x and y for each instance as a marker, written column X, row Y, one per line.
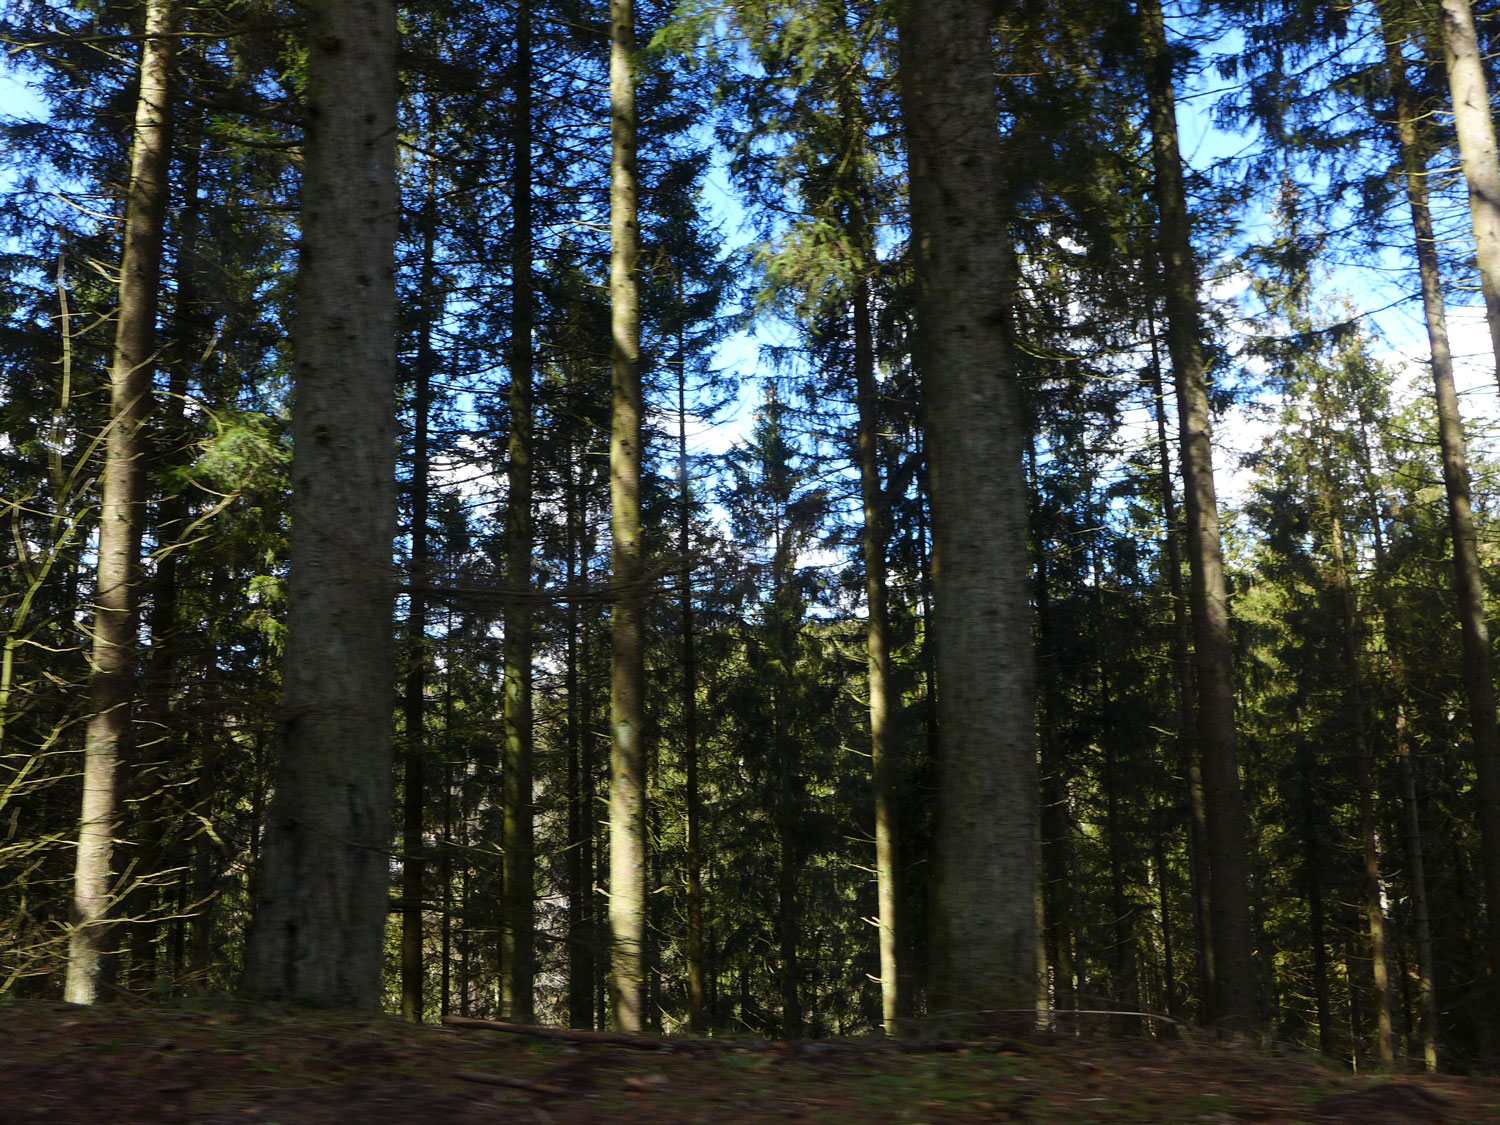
column 229, row 1062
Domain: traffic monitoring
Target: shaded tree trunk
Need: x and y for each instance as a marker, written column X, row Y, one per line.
column 414, row 710
column 985, row 950
column 692, row 798
column 323, row 889
column 1182, row 680
column 878, row 661
column 1229, row 900
column 627, row 793
column 520, row 876
column 108, row 745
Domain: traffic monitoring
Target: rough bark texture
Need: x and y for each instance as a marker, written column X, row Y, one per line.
column 627, row 794
column 518, row 955
column 1476, row 151
column 323, row 888
column 984, row 935
column 1212, row 642
column 1468, row 580
column 112, row 676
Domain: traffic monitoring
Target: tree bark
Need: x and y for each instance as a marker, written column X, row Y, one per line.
column 520, row 875
column 1473, row 120
column 627, row 794
column 112, row 677
column 1468, row 580
column 985, row 948
column 323, row 889
column 1229, row 900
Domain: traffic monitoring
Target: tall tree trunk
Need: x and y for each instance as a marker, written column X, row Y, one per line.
column 878, row 660
column 162, row 746
column 1473, row 120
column 691, row 796
column 1365, row 757
column 520, row 876
column 414, row 710
column 112, row 679
column 1182, row 680
column 323, row 891
column 985, row 948
column 1468, row 580
column 627, row 792
column 1229, row 900
column 1056, row 827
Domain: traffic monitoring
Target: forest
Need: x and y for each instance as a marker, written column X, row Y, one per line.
column 777, row 518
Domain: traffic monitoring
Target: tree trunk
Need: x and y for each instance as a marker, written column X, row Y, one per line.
column 627, row 793
column 1182, row 680
column 878, row 662
column 691, row 797
column 1365, row 757
column 323, row 890
column 1056, row 827
column 413, row 847
column 520, row 875
column 985, row 948
column 1468, row 580
column 1229, row 901
column 112, row 678
column 1476, row 150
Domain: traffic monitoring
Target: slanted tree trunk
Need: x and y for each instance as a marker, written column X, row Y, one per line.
column 1213, row 645
column 323, row 891
column 627, row 793
column 112, row 677
column 878, row 660
column 1468, row 581
column 1476, row 152
column 520, row 876
column 985, row 950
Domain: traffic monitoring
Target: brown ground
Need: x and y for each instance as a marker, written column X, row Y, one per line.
column 236, row 1063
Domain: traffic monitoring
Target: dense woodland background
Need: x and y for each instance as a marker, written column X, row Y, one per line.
column 1363, row 694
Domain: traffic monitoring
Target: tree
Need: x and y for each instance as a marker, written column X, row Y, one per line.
column 112, row 680
column 520, row 870
column 1212, row 648
column 627, row 793
column 985, row 952
column 1474, row 122
column 322, row 895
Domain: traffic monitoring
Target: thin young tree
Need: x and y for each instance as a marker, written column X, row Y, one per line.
column 112, row 678
column 323, row 887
